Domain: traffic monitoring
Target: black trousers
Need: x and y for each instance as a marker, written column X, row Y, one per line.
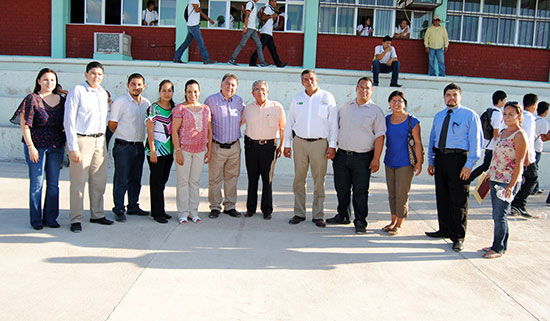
column 483, row 167
column 529, row 179
column 352, row 173
column 268, row 41
column 157, row 182
column 259, row 160
column 451, row 194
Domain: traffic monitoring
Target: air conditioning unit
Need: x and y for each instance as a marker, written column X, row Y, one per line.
column 112, row 46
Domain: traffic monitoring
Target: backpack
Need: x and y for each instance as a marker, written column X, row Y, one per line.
column 186, row 13
column 486, row 126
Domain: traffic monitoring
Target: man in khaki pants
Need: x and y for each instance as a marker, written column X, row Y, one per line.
column 84, row 121
column 313, row 121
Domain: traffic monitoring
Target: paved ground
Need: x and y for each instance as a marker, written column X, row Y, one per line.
column 251, row 269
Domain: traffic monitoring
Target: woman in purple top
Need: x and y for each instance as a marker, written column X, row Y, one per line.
column 399, row 171
column 41, row 120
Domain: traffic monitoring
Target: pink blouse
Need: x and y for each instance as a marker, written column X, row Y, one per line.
column 504, row 159
column 193, row 132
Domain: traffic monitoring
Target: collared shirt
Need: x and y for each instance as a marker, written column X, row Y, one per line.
column 389, row 55
column 265, row 121
column 436, row 37
column 359, row 126
column 267, row 28
column 85, row 113
column 464, row 133
column 149, row 16
column 497, row 123
column 313, row 116
column 529, row 126
column 253, row 8
column 541, row 127
column 226, row 117
column 130, row 116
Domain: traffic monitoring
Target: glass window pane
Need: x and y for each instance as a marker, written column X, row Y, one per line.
column 130, row 12
column 346, row 1
column 167, row 12
column 421, row 22
column 472, row 5
column 491, row 6
column 525, row 36
column 453, row 27
column 345, row 20
column 528, row 8
column 217, row 13
column 93, row 11
column 508, row 7
column 327, row 20
column 383, row 23
column 469, row 28
column 541, row 37
column 367, row 1
column 489, row 30
column 455, row 5
column 506, row 31
column 544, row 8
column 295, row 17
column 384, row 2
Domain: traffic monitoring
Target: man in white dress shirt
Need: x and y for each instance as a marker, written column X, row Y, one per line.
column 84, row 122
column 312, row 126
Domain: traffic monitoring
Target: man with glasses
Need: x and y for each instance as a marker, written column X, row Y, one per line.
column 436, row 42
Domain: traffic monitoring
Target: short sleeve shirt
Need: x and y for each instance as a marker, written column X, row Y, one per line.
column 389, row 55
column 253, row 7
column 130, row 118
column 363, row 31
column 541, row 127
column 194, row 18
column 398, row 29
column 149, row 16
column 267, row 28
column 263, row 122
column 359, row 126
column 162, row 120
column 397, row 153
column 193, row 133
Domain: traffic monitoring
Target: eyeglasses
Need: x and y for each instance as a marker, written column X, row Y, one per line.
column 397, row 101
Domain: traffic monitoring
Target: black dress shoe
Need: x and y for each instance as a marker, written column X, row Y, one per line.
column 249, row 214
column 102, row 221
column 38, row 227
column 267, row 216
column 283, row 65
column 166, row 216
column 395, row 85
column 458, row 246
column 178, row 61
column 319, row 222
column 161, row 219
column 120, row 217
column 214, row 214
column 76, row 228
column 232, row 212
column 338, row 219
column 360, row 229
column 296, row 219
column 53, row 225
column 138, row 211
column 437, row 234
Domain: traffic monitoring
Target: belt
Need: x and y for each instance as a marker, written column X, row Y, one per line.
column 226, row 146
column 259, row 142
column 124, row 142
column 310, row 139
column 90, row 135
column 447, row 151
column 350, row 153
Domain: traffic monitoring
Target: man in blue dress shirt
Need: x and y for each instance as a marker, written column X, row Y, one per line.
column 454, row 148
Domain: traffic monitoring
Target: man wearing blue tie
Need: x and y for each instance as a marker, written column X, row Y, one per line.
column 454, row 148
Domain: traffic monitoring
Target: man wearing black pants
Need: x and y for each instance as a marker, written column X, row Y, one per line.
column 454, row 148
column 266, row 35
column 264, row 120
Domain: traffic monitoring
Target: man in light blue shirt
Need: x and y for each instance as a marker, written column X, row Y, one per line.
column 454, row 148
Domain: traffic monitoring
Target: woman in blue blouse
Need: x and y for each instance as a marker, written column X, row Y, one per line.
column 41, row 121
column 399, row 171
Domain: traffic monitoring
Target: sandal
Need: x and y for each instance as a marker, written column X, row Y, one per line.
column 492, row 255
column 182, row 220
column 395, row 230
column 196, row 219
column 387, row 228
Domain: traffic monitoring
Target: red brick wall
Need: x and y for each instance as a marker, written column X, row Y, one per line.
column 220, row 44
column 26, row 32
column 473, row 60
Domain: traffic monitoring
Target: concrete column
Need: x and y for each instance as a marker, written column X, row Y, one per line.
column 442, row 12
column 59, row 18
column 311, row 22
column 181, row 27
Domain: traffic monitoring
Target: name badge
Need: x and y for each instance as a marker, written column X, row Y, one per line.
column 233, row 112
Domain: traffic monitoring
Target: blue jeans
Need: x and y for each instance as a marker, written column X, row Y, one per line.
column 501, row 209
column 378, row 68
column 49, row 162
column 193, row 32
column 129, row 160
column 437, row 54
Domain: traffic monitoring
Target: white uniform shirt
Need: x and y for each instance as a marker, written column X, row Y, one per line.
column 389, row 55
column 149, row 16
column 130, row 116
column 529, row 126
column 541, row 127
column 253, row 7
column 267, row 28
column 85, row 113
column 313, row 116
column 398, row 30
column 363, row 31
column 193, row 17
column 497, row 123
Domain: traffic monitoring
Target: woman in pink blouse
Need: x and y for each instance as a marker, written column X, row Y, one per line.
column 192, row 137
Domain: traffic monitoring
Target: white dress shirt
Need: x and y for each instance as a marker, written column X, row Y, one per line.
column 130, row 117
column 389, row 55
column 541, row 127
column 529, row 126
column 85, row 113
column 313, row 116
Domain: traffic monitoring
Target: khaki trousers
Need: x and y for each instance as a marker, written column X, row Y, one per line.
column 93, row 164
column 188, row 186
column 309, row 155
column 399, row 181
column 225, row 166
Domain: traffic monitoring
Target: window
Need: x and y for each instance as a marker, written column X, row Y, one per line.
column 120, row 12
